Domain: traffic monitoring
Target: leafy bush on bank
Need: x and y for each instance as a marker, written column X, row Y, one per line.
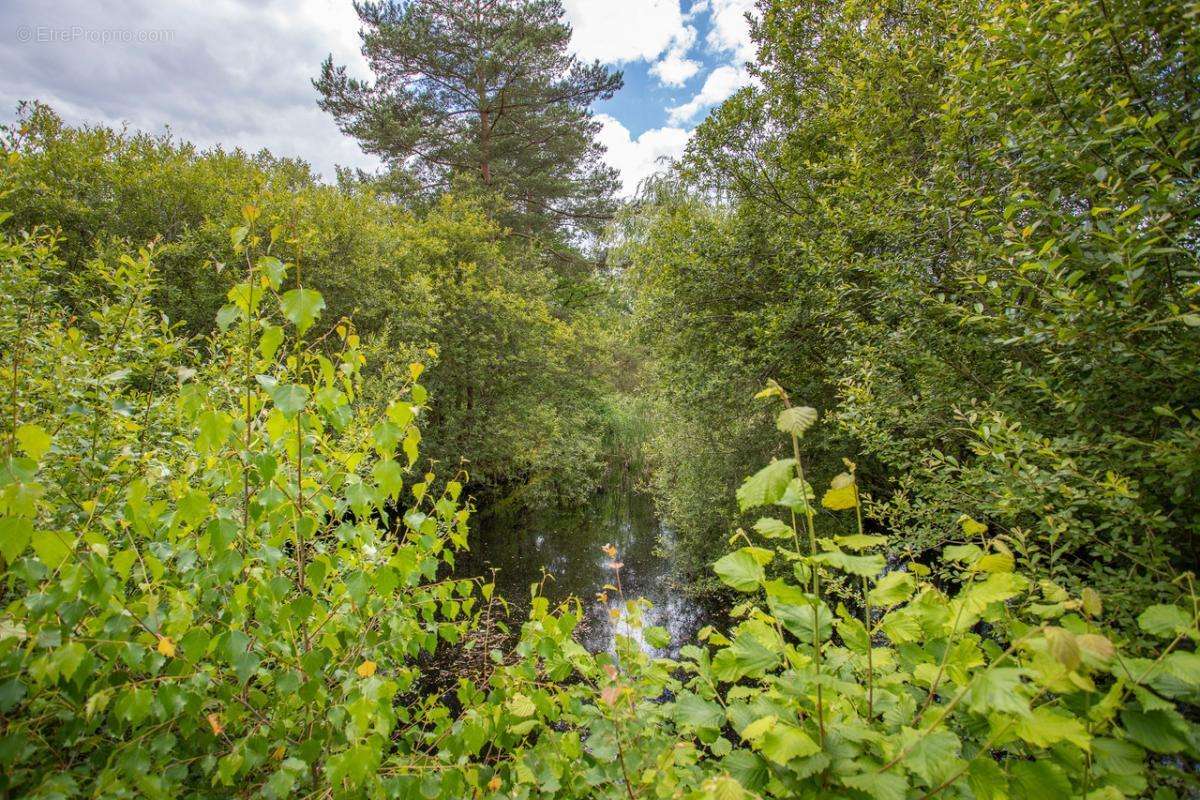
column 221, row 573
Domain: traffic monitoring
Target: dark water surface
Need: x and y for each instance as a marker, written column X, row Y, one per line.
column 568, row 546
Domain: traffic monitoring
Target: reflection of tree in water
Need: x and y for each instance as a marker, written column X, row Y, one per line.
column 568, row 545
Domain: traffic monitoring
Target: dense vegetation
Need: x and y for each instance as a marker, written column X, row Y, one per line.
column 223, row 573
column 969, row 233
column 931, row 284
column 519, row 372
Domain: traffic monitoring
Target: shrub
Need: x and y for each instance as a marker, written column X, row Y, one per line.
column 223, row 575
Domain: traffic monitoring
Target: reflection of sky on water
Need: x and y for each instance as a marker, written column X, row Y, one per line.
column 568, row 545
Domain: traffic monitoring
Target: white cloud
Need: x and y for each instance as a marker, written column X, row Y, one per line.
column 615, row 31
column 675, row 67
column 697, row 7
column 730, row 30
column 228, row 72
column 720, row 84
column 638, row 158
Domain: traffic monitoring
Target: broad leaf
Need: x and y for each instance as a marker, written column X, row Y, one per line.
column 767, row 485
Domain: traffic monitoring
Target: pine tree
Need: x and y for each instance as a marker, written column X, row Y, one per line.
column 483, row 88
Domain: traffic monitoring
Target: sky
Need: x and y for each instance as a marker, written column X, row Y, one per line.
column 237, row 73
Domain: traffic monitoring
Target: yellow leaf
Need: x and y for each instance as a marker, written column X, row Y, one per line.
column 1096, row 645
column 415, row 369
column 494, row 784
column 759, row 727
column 1092, row 606
column 773, row 390
column 33, row 440
column 366, row 669
column 1063, row 646
column 166, row 647
column 214, row 722
column 842, row 493
column 970, row 527
column 994, row 562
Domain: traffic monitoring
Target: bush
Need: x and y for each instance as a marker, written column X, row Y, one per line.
column 968, row 231
column 512, row 402
column 223, row 575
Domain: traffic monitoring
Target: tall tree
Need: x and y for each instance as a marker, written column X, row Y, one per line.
column 485, row 88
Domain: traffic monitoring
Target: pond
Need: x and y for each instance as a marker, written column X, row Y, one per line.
column 567, row 546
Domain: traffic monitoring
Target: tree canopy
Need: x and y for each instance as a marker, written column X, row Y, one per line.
column 485, row 88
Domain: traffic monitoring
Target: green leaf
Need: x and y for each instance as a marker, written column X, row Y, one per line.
column 784, row 742
column 695, row 711
column 1160, row 731
column 893, row 588
column 999, row 689
column 1165, row 620
column 69, row 657
column 53, row 547
column 1039, row 780
column 289, row 398
column 15, row 535
column 771, row 528
column 971, row 527
column 796, row 420
column 227, row 315
column 34, row 441
column 273, row 269
column 758, row 728
column 796, row 497
column 799, row 619
column 996, row 588
column 987, row 780
column 657, row 637
column 122, row 562
column 749, row 656
column 879, row 785
column 268, row 345
column 866, row 566
column 740, row 570
column 748, row 769
column 302, row 307
column 1046, row 727
column 767, row 485
column 215, row 427
column 859, row 541
column 968, row 553
column 1063, row 646
column 390, row 477
column 519, row 705
column 724, row 787
column 932, row 755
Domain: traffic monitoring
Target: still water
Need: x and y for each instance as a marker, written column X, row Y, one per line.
column 567, row 546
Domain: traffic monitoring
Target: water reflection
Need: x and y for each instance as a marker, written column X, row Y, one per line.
column 567, row 544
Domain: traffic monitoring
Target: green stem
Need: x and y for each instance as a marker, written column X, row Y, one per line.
column 810, row 527
column 866, row 614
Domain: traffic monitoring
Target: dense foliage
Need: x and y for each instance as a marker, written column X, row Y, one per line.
column 226, row 575
column 487, row 89
column 440, row 274
column 969, row 230
column 242, row 412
